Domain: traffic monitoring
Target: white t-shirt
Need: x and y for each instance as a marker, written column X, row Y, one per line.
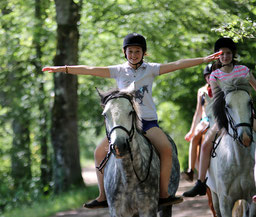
column 140, row 81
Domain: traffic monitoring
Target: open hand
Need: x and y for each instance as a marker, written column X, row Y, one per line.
column 212, row 57
column 53, row 69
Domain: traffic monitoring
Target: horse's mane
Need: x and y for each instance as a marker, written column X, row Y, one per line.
column 219, row 98
column 116, row 93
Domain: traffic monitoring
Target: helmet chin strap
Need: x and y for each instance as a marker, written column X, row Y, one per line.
column 137, row 65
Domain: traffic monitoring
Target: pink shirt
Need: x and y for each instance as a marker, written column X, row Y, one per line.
column 238, row 71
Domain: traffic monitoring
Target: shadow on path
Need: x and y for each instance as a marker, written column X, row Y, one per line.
column 191, row 207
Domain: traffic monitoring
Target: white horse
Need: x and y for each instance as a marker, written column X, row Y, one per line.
column 231, row 171
column 132, row 171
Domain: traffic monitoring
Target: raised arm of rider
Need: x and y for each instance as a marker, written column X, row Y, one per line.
column 185, row 63
column 80, row 70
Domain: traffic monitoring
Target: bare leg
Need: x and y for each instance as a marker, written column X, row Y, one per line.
column 200, row 186
column 163, row 146
column 99, row 154
column 206, row 153
column 193, row 151
column 193, row 156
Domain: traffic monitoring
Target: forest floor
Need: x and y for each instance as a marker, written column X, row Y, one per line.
column 190, row 207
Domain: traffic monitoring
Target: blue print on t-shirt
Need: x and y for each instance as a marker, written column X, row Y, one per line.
column 139, row 94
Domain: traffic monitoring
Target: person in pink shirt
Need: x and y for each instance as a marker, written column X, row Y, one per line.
column 224, row 68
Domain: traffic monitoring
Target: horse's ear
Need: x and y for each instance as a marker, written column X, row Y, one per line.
column 101, row 96
column 99, row 92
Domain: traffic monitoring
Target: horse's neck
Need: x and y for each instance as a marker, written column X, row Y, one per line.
column 140, row 154
column 141, row 144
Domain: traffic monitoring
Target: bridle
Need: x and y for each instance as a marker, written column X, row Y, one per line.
column 130, row 134
column 235, row 126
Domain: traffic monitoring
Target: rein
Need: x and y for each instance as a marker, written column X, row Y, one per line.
column 243, row 124
column 130, row 133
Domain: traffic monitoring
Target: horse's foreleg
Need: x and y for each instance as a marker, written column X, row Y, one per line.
column 166, row 211
column 226, row 206
column 148, row 213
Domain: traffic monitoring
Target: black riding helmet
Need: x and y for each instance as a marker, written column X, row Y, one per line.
column 225, row 42
column 136, row 40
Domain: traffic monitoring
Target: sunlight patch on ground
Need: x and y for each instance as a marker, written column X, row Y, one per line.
column 89, row 175
column 70, row 213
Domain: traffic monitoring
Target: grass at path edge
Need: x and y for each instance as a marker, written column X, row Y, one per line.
column 48, row 207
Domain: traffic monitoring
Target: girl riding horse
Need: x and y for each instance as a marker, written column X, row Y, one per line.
column 226, row 68
column 137, row 73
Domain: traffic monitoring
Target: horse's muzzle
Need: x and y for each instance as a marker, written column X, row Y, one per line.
column 120, row 147
column 245, row 138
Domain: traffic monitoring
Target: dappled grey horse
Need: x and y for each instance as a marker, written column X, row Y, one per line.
column 132, row 171
column 231, row 171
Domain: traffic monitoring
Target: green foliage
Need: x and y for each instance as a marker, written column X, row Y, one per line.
column 53, row 204
column 240, row 23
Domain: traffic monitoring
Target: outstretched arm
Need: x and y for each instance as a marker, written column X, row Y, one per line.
column 185, row 63
column 80, row 70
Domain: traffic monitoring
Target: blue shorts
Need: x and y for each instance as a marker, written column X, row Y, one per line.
column 146, row 125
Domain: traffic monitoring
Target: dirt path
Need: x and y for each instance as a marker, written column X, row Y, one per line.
column 191, row 207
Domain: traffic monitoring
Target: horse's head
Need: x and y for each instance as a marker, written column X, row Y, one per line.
column 120, row 120
column 235, row 100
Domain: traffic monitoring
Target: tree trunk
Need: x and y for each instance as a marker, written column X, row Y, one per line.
column 20, row 153
column 67, row 169
column 42, row 137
